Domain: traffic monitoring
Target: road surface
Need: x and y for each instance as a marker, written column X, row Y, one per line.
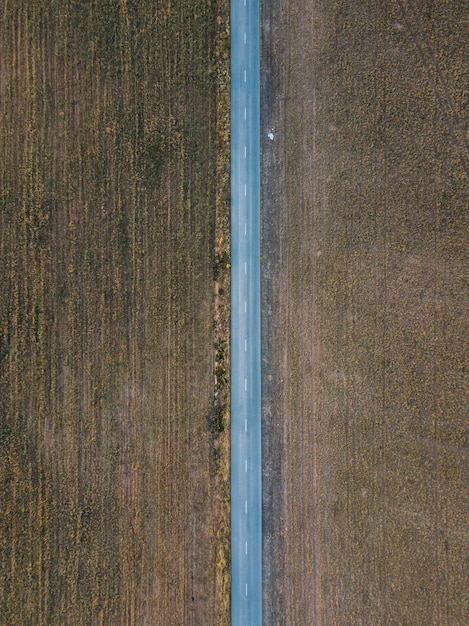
column 246, row 504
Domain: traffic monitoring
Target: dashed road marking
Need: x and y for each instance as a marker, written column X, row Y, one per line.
column 245, row 465
column 245, row 38
column 244, row 75
column 245, row 152
column 245, row 113
column 245, row 384
column 245, row 306
column 246, row 589
column 245, row 547
column 245, row 506
column 246, row 425
column 245, row 345
column 245, row 267
column 245, row 228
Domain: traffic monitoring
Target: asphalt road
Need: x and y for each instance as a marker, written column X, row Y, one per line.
column 246, row 488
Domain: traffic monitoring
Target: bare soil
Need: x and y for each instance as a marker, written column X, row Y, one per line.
column 365, row 294
column 114, row 208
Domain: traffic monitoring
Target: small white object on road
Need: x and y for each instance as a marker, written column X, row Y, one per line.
column 271, row 136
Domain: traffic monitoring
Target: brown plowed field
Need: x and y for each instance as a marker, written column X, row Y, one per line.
column 365, row 295
column 113, row 376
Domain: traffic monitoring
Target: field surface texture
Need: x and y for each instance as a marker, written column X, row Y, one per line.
column 365, row 293
column 113, row 372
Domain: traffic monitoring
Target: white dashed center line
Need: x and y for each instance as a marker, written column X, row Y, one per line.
column 245, row 465
column 244, row 75
column 245, row 384
column 245, row 425
column 244, row 38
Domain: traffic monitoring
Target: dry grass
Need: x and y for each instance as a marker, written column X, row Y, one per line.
column 113, row 206
column 365, row 285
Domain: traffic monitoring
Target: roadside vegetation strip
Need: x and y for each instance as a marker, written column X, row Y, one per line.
column 221, row 269
column 114, row 125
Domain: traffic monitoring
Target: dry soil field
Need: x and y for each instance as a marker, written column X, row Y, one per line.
column 365, row 228
column 113, row 372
